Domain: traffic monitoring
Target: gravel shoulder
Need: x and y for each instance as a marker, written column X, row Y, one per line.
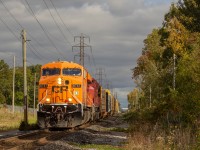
column 110, row 131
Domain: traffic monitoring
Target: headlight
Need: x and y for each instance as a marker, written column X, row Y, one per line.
column 70, row 99
column 59, row 80
column 48, row 100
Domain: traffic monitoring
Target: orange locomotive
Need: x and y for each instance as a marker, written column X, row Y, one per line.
column 68, row 95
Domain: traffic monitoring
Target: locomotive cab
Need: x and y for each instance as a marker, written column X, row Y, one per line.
column 62, row 95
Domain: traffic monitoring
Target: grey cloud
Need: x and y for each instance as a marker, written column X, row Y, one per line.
column 124, row 7
column 117, row 29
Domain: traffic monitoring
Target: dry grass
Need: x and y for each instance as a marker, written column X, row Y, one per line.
column 159, row 139
column 9, row 121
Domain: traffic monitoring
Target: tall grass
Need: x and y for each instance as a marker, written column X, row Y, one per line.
column 10, row 121
column 148, row 137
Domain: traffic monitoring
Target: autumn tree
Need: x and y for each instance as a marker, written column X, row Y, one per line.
column 133, row 99
column 190, row 14
column 167, row 72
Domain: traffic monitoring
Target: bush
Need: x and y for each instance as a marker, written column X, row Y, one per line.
column 25, row 126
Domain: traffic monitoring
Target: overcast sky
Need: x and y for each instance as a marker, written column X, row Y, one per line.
column 116, row 29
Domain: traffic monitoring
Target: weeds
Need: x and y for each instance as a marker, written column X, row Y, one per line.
column 9, row 121
column 100, row 147
column 157, row 138
column 119, row 129
column 26, row 126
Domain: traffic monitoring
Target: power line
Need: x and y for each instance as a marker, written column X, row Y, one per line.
column 61, row 19
column 34, row 51
column 11, row 14
column 19, row 58
column 93, row 59
column 56, row 23
column 14, row 33
column 39, row 24
column 22, row 28
column 82, row 46
column 45, row 32
column 25, row 6
column 33, row 47
column 82, row 54
column 100, row 75
column 9, row 29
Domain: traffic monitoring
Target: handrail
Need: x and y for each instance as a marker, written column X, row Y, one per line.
column 77, row 101
column 44, row 97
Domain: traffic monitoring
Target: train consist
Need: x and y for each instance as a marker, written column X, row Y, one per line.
column 69, row 96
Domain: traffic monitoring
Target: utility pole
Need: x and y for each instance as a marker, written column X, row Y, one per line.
column 150, row 95
column 23, row 34
column 116, row 95
column 34, row 96
column 174, row 75
column 82, row 46
column 136, row 100
column 13, row 98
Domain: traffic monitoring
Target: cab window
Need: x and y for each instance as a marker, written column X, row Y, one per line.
column 50, row 71
column 71, row 71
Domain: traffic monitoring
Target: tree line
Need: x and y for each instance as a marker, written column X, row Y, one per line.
column 167, row 74
column 6, row 84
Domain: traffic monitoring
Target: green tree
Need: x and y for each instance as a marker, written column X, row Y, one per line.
column 31, row 70
column 6, row 87
column 5, row 83
column 19, row 86
column 190, row 14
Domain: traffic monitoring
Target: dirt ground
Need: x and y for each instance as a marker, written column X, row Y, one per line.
column 109, row 131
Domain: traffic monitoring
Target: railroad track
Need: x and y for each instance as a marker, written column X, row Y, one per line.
column 25, row 141
column 35, row 139
column 32, row 140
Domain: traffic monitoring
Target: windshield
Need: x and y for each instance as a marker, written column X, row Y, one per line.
column 71, row 71
column 50, row 71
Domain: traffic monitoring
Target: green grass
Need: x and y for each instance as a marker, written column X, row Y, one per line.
column 119, row 129
column 9, row 121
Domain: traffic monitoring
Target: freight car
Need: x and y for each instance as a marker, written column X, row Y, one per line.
column 69, row 96
column 105, row 106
